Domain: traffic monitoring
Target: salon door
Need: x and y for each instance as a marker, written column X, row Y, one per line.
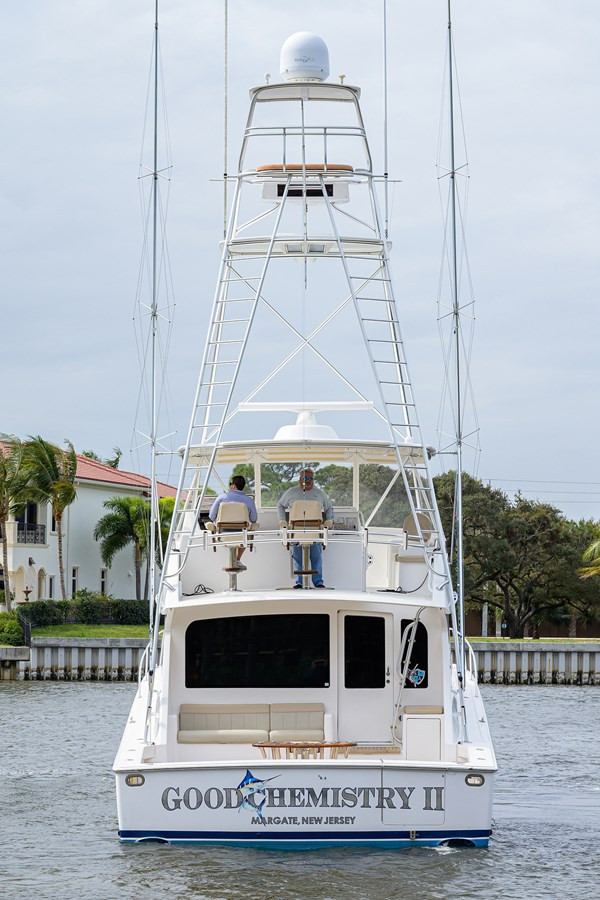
column 366, row 689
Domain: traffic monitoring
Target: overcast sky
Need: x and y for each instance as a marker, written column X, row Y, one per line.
column 73, row 94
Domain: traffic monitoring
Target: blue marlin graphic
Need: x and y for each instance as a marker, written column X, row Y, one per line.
column 251, row 788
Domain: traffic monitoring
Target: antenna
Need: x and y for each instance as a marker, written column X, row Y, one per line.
column 385, row 122
column 154, row 327
column 456, row 325
column 225, row 89
column 158, row 271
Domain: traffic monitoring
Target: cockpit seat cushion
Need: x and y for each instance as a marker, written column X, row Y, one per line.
column 306, row 520
column 223, row 736
column 223, row 723
column 297, row 722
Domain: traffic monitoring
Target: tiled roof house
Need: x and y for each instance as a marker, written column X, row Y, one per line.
column 32, row 539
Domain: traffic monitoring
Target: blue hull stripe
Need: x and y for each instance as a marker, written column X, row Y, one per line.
column 315, row 838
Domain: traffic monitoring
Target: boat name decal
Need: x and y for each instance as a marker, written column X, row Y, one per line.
column 254, row 795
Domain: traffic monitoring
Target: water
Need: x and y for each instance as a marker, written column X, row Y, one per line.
column 59, row 821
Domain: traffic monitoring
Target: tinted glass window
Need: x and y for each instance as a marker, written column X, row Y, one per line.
column 417, row 672
column 364, row 644
column 258, row 651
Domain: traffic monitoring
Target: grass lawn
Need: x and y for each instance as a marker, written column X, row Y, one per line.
column 91, row 631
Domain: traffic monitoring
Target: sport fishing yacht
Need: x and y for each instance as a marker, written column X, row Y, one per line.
column 270, row 713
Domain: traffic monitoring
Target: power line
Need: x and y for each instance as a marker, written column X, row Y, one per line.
column 544, row 491
column 539, row 481
column 577, row 501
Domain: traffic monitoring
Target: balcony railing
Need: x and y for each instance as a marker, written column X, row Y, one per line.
column 30, row 534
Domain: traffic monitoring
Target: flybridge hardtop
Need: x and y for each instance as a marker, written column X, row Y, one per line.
column 269, row 712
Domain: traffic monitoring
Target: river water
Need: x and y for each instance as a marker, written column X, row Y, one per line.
column 58, row 817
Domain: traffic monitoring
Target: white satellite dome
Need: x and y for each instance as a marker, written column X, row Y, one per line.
column 304, row 57
column 306, row 428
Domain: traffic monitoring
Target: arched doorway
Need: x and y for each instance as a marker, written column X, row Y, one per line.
column 19, row 585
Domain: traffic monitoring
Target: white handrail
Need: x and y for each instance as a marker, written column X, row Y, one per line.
column 472, row 662
column 408, row 637
column 143, row 665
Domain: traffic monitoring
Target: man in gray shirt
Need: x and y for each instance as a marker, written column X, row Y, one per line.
column 235, row 494
column 306, row 490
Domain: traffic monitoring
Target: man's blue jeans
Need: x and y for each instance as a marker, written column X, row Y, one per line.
column 316, row 562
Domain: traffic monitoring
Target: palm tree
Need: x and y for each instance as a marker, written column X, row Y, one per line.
column 591, row 555
column 11, row 483
column 166, row 506
column 50, row 475
column 125, row 524
column 113, row 461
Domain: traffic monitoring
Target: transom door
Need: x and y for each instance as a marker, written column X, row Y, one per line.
column 366, row 689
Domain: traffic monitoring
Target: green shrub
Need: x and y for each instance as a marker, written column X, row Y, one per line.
column 10, row 630
column 129, row 612
column 44, row 612
column 90, row 608
column 3, row 596
column 63, row 608
column 86, row 608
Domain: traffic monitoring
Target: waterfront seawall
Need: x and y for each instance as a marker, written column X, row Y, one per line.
column 117, row 659
column 537, row 662
column 81, row 659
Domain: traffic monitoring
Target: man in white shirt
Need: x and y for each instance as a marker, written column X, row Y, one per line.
column 306, row 490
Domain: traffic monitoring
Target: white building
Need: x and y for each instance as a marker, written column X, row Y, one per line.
column 32, row 539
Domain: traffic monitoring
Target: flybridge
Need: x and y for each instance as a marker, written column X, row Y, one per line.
column 327, row 322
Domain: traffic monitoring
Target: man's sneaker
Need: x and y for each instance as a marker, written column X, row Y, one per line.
column 240, row 566
column 297, row 587
column 322, row 586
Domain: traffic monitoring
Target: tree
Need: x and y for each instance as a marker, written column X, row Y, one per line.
column 520, row 556
column 50, row 473
column 11, row 483
column 336, row 481
column 125, row 524
column 166, row 507
column 113, row 461
column 592, row 555
column 91, row 454
column 276, row 478
column 575, row 600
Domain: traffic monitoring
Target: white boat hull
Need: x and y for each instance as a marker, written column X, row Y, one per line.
column 307, row 804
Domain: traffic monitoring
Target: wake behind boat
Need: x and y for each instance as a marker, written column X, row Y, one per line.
column 319, row 693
